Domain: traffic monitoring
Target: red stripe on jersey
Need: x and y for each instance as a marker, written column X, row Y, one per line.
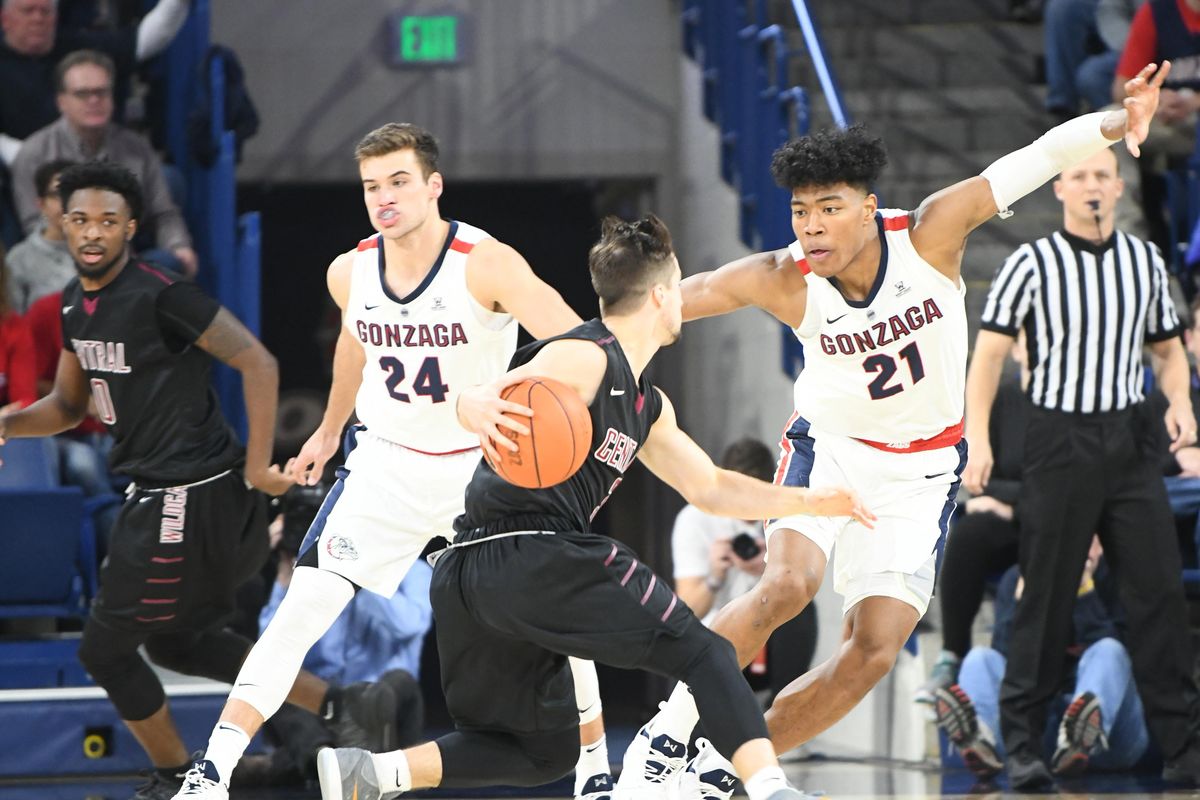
column 803, row 266
column 368, row 244
column 895, row 223
column 785, row 449
column 459, row 246
column 155, row 273
column 950, row 436
column 447, row 453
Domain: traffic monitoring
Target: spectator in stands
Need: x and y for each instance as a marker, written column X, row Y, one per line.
column 718, row 559
column 1182, row 468
column 86, row 132
column 1090, row 298
column 1164, row 29
column 32, row 47
column 983, row 536
column 18, row 388
column 1084, row 39
column 1101, row 725
column 375, row 641
column 40, row 264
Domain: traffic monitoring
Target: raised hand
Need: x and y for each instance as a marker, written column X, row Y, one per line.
column 1141, row 102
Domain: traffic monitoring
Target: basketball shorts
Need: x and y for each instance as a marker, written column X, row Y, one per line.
column 912, row 493
column 387, row 503
column 179, row 554
column 510, row 610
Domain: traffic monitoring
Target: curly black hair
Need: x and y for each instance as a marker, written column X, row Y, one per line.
column 835, row 155
column 102, row 175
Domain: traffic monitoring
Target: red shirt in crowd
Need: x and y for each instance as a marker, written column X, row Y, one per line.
column 18, row 382
column 1142, row 45
column 44, row 318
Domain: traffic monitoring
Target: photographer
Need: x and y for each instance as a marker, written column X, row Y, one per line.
column 373, row 649
column 718, row 559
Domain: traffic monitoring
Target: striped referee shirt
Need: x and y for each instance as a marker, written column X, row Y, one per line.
column 1087, row 310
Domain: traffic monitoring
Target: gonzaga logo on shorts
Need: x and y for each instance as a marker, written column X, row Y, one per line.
column 341, row 548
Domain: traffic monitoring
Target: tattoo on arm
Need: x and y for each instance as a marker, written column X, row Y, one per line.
column 225, row 338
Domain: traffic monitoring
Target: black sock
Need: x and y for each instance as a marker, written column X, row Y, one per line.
column 174, row 774
column 331, row 706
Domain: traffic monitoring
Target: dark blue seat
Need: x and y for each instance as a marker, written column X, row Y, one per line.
column 48, row 535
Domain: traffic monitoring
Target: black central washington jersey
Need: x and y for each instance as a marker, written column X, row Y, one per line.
column 622, row 413
column 134, row 340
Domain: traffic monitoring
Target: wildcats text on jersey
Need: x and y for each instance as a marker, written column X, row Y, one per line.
column 404, row 335
column 96, row 356
column 883, row 333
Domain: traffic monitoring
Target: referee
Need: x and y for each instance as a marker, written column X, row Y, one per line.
column 1089, row 298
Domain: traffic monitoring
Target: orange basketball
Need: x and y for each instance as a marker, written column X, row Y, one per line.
column 560, row 434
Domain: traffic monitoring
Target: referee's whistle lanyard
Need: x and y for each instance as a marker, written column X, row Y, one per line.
column 433, row 557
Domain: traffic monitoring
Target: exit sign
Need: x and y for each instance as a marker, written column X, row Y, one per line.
column 426, row 40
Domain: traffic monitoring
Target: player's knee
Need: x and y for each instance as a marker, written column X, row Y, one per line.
column 552, row 756
column 785, row 592
column 867, row 659
column 120, row 671
column 105, row 658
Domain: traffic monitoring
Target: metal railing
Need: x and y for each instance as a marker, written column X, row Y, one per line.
column 745, row 62
column 228, row 244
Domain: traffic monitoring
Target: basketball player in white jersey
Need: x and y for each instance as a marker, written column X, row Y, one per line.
column 429, row 308
column 876, row 298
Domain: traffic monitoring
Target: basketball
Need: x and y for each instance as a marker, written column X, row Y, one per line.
column 559, row 438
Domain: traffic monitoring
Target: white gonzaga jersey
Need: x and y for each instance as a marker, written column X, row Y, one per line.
column 423, row 349
column 890, row 369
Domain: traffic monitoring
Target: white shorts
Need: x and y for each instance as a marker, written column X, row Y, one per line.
column 386, row 505
column 912, row 493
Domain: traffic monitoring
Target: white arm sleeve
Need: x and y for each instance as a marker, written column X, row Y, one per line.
column 9, row 148
column 1017, row 174
column 159, row 27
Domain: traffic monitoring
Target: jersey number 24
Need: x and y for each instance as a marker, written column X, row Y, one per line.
column 428, row 380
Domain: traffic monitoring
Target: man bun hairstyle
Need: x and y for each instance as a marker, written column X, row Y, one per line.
column 106, row 175
column 629, row 259
column 834, row 155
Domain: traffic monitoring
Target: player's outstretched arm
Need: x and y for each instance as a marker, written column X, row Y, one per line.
column 61, row 410
column 228, row 340
column 674, row 457
column 348, row 360
column 578, row 363
column 769, row 281
column 500, row 279
column 945, row 218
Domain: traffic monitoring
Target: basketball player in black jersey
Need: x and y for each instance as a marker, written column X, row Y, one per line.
column 526, row 583
column 139, row 344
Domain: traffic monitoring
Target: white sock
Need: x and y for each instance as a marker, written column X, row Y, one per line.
column 765, row 783
column 392, row 771
column 225, row 748
column 587, row 689
column 678, row 716
column 593, row 760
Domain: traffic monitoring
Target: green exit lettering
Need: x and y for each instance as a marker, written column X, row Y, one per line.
column 428, row 39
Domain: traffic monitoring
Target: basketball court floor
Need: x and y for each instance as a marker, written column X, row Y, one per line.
column 840, row 780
